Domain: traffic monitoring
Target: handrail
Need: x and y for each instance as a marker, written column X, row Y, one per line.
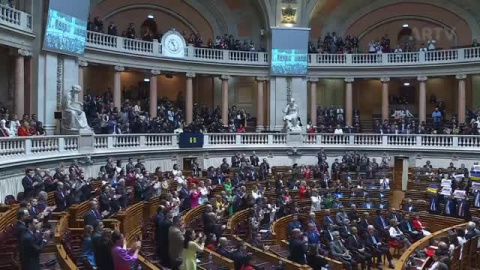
column 100, row 41
column 422, row 242
column 15, row 18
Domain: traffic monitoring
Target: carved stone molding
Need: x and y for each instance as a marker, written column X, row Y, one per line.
column 225, row 77
column 422, row 78
column 24, row 53
column 82, row 63
column 261, row 79
column 119, row 68
column 461, row 76
column 349, row 80
column 313, row 79
column 385, row 79
column 155, row 72
column 190, row 75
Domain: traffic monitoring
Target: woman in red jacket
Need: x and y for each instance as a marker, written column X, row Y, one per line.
column 24, row 130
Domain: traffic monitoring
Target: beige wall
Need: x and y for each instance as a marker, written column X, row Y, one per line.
column 330, row 92
column 7, row 79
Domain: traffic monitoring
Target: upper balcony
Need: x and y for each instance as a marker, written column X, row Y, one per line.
column 144, row 54
column 16, row 27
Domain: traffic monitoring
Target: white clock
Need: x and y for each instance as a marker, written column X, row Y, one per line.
column 173, row 44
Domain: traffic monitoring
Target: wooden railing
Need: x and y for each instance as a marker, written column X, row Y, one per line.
column 131, row 220
column 424, row 242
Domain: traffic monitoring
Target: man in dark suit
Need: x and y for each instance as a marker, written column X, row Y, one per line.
column 92, row 216
column 328, row 234
column 345, row 229
column 294, row 224
column 379, row 248
column 312, row 234
column 357, row 247
column 381, row 224
column 254, row 160
column 31, row 245
column 184, row 195
column 222, row 248
column 406, row 227
column 297, row 247
column 157, row 221
column 341, row 253
column 29, row 184
column 162, row 238
column 328, row 219
column 20, row 227
column 60, row 198
column 363, row 223
column 409, row 207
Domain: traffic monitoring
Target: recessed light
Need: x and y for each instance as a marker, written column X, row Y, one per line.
column 406, row 84
column 405, row 25
column 150, row 16
column 146, row 80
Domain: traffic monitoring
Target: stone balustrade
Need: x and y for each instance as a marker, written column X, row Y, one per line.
column 99, row 41
column 22, row 148
column 16, row 19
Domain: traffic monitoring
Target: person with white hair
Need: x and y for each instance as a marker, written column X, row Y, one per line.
column 471, row 230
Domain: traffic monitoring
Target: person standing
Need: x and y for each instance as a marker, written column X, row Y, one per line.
column 123, row 258
column 191, row 245
column 175, row 243
column 31, row 245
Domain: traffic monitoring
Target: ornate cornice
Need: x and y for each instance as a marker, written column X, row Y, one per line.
column 190, row 75
column 422, row 78
column 349, row 80
column 119, row 68
column 385, row 79
column 461, row 76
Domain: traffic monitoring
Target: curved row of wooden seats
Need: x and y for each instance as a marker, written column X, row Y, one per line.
column 242, row 217
column 425, row 242
column 193, row 217
column 279, row 228
column 8, row 242
column 424, row 205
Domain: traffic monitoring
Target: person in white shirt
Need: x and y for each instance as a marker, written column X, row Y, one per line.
column 384, row 182
column 371, row 47
column 203, row 193
column 338, row 130
column 397, row 234
column 398, row 52
column 432, row 45
column 316, row 201
column 461, row 240
column 15, row 124
column 178, row 176
column 423, row 48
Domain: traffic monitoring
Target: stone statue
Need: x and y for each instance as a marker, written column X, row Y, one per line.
column 74, row 118
column 291, row 116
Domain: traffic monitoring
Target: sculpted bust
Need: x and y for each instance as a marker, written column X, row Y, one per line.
column 74, row 117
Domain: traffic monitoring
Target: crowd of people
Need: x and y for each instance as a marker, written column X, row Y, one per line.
column 332, row 120
column 225, row 42
column 350, row 237
column 104, row 118
column 11, row 126
column 334, row 44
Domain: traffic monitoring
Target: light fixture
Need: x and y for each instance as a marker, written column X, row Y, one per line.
column 405, row 25
column 406, row 84
column 146, row 80
column 150, row 16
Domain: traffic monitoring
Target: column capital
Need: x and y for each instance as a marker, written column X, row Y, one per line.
column 119, row 68
column 422, row 78
column 155, row 72
column 190, row 75
column 313, row 79
column 24, row 53
column 461, row 76
column 349, row 80
column 261, row 78
column 225, row 77
column 82, row 63
column 385, row 79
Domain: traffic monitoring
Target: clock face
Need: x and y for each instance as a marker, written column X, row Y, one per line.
column 174, row 46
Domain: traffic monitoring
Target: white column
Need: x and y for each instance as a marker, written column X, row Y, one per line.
column 422, row 99
column 153, row 92
column 349, row 100
column 385, row 102
column 461, row 98
column 189, row 98
column 117, row 87
column 313, row 100
column 225, row 79
column 82, row 64
column 260, row 103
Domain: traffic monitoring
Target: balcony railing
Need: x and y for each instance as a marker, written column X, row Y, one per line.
column 15, row 18
column 37, row 147
column 154, row 49
column 396, row 59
